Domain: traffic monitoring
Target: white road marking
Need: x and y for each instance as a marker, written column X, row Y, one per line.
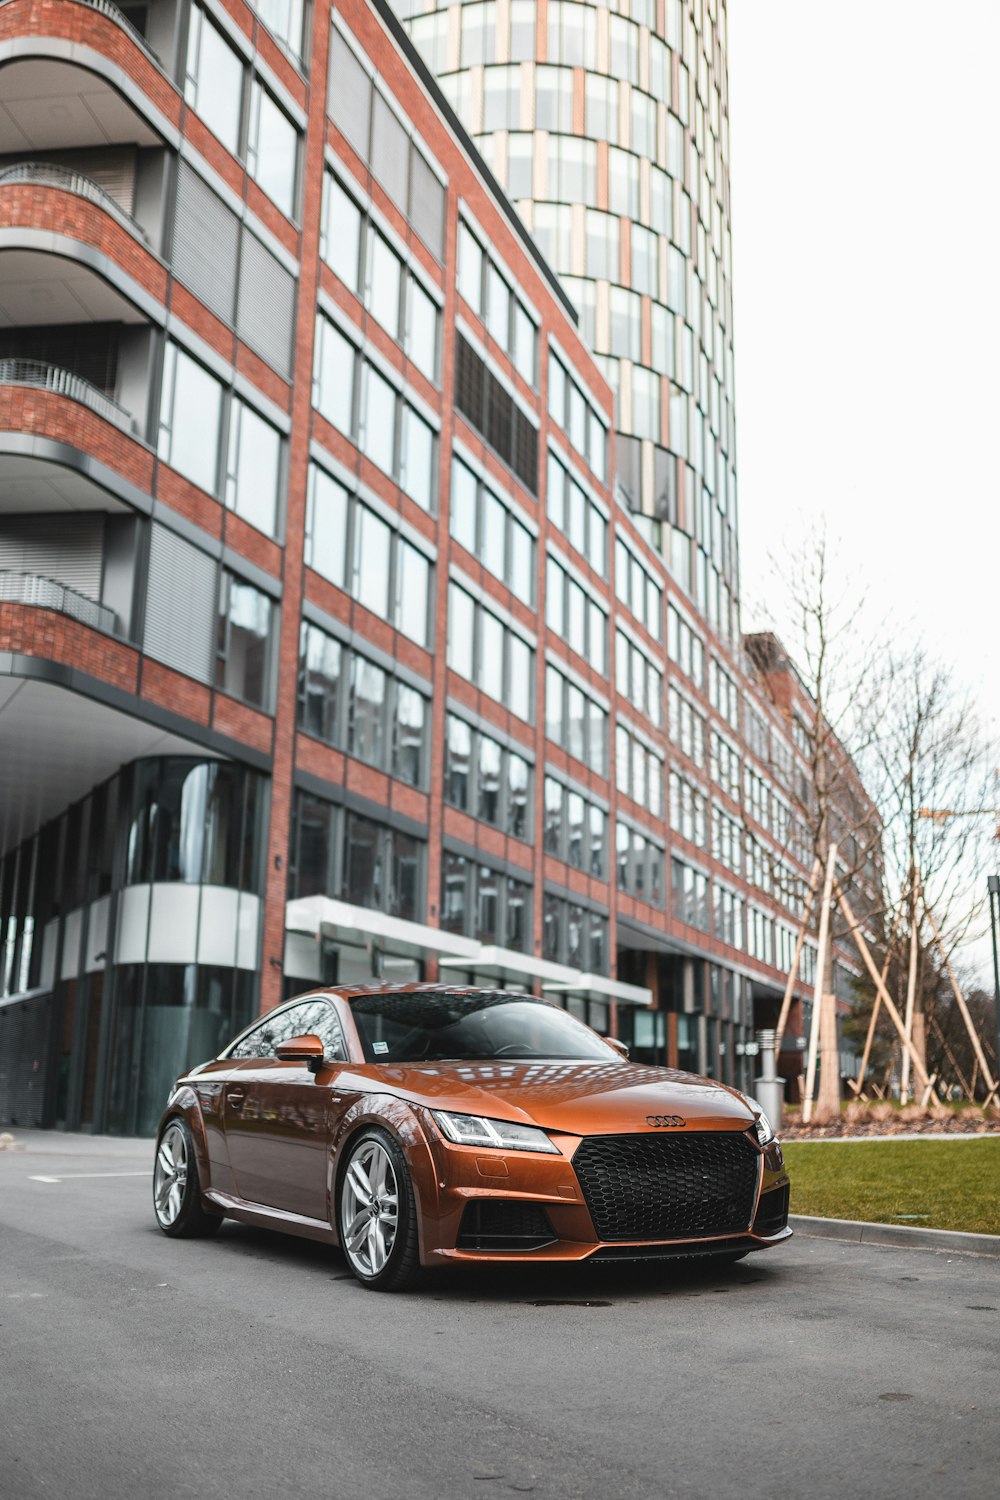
column 74, row 1176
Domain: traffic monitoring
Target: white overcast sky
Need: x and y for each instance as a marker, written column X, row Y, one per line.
column 864, row 139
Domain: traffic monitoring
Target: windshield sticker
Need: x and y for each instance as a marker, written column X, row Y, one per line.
column 380, row 1046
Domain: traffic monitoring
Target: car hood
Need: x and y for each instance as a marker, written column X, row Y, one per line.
column 575, row 1098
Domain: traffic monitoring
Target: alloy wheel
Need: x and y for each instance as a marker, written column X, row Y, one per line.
column 170, row 1175
column 369, row 1202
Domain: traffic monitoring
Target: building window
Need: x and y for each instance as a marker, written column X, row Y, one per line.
column 687, row 810
column 411, row 461
column 254, row 468
column 283, row 18
column 244, row 642
column 485, row 778
column 350, row 702
column 471, row 263
column 378, row 424
column 603, row 238
column 486, row 291
column 385, row 281
column 689, row 895
column 573, row 513
column 576, row 721
column 273, row 150
column 486, row 526
column 336, row 361
column 685, row 648
column 214, row 80
column 638, row 771
column 421, row 329
column 638, row 680
column 190, row 419
column 367, row 698
column 575, row 829
column 480, row 902
column 416, row 474
column 573, row 934
column 342, row 227
column 686, row 728
column 638, row 590
column 326, row 526
column 572, row 33
column 485, row 651
column 640, row 864
column 577, row 619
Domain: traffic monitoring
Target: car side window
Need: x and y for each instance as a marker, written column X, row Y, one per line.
column 262, row 1041
column 311, row 1018
column 326, row 1025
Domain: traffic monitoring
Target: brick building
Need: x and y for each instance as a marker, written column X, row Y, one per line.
column 328, row 645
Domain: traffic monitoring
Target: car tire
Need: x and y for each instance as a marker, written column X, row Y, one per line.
column 177, row 1201
column 377, row 1212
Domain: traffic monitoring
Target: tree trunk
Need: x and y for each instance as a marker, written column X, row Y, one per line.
column 827, row 1107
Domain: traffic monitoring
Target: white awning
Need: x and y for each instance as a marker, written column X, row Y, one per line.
column 323, row 917
column 495, row 962
column 360, row 926
column 598, row 987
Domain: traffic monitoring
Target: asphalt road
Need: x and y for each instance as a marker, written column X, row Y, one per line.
column 254, row 1366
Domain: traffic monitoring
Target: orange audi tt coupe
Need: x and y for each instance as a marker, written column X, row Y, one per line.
column 418, row 1125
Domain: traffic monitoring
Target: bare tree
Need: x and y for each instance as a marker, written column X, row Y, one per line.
column 830, row 689
column 931, row 757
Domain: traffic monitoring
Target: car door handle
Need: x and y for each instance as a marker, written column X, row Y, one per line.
column 236, row 1097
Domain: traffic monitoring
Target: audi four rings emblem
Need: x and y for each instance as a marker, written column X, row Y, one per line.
column 665, row 1120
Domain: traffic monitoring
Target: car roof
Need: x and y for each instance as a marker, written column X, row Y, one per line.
column 354, row 992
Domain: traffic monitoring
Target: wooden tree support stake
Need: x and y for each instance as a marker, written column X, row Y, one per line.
column 858, row 1084
column 977, row 1046
column 824, row 936
column 793, row 973
column 887, row 1000
column 963, row 1081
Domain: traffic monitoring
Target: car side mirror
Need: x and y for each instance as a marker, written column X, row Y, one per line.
column 307, row 1049
column 619, row 1046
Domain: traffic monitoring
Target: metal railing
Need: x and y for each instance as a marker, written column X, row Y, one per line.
column 47, row 593
column 114, row 14
column 50, row 174
column 43, row 377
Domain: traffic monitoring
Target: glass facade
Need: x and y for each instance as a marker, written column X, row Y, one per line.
column 134, row 918
column 632, row 212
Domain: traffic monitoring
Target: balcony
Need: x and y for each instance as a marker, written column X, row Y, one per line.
column 83, row 565
column 64, row 179
column 73, row 404
column 47, row 593
column 35, row 375
column 78, row 72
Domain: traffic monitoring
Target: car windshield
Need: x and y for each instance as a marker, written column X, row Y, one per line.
column 445, row 1026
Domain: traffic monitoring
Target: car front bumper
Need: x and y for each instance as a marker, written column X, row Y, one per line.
column 526, row 1182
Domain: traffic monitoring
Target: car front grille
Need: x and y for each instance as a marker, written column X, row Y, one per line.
column 655, row 1187
column 504, row 1224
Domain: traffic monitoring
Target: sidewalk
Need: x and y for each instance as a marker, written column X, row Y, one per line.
column 67, row 1143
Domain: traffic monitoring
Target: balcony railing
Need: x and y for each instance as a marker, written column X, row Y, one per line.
column 43, row 377
column 46, row 593
column 48, row 174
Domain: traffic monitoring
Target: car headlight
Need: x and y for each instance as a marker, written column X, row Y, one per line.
column 476, row 1130
column 762, row 1126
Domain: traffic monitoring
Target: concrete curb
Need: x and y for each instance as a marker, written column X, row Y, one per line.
column 899, row 1235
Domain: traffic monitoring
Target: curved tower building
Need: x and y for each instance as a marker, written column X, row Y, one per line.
column 607, row 126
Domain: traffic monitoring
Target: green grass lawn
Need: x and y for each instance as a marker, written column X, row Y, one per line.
column 931, row 1184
